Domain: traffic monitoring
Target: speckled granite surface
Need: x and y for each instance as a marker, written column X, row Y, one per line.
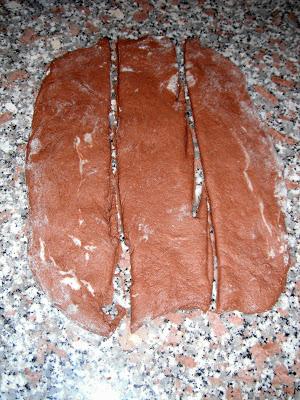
column 186, row 355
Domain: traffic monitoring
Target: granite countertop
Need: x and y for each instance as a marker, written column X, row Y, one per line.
column 186, row 355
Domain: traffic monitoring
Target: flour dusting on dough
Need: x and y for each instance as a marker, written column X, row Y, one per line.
column 72, row 282
column 172, row 85
column 88, row 286
column 146, row 230
column 127, row 69
column 53, row 262
column 82, row 161
column 247, row 179
column 42, row 250
column 75, row 240
column 190, row 79
column 90, row 247
column 183, row 212
column 143, row 46
column 261, row 209
column 70, row 272
column 247, row 162
column 88, row 138
column 35, row 146
column 72, row 309
column 271, row 253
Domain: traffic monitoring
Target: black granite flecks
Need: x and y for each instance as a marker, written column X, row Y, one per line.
column 184, row 355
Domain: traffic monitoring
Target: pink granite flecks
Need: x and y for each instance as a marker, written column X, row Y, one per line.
column 266, row 94
column 188, row 362
column 282, row 82
column 184, row 355
column 5, row 117
column 17, row 75
column 28, row 36
column 261, row 353
column 217, row 325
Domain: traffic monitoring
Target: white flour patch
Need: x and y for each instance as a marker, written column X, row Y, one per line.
column 88, row 286
column 183, row 211
column 247, row 179
column 75, row 240
column 53, row 262
column 90, row 247
column 146, row 230
column 247, row 163
column 88, row 138
column 72, row 282
column 81, row 165
column 82, row 161
column 70, row 272
column 127, row 69
column 42, row 250
column 172, row 85
column 162, row 40
column 271, row 253
column 261, row 209
column 190, row 79
column 72, row 309
column 281, row 194
column 35, row 146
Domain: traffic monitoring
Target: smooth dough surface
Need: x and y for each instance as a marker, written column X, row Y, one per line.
column 243, row 184
column 74, row 245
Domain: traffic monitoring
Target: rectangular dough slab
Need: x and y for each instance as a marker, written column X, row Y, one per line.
column 73, row 248
column 168, row 247
column 243, row 184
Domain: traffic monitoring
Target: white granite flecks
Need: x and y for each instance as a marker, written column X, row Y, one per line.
column 184, row 355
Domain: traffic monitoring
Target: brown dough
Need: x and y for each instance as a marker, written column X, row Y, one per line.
column 73, row 247
column 168, row 247
column 242, row 180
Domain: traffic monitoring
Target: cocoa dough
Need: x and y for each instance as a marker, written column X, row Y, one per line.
column 242, row 181
column 169, row 248
column 74, row 246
